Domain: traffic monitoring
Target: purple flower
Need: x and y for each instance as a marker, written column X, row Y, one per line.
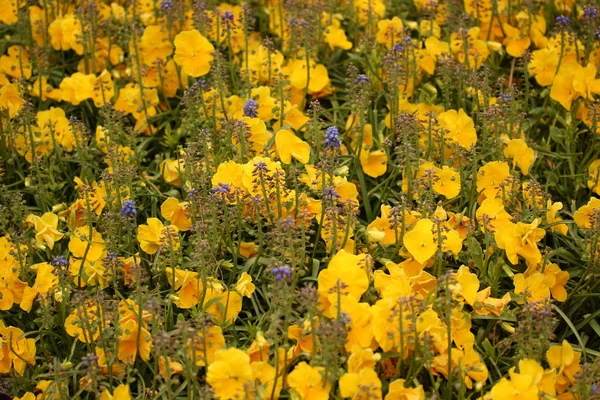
column 251, row 108
column 222, row 188
column 282, row 273
column 332, row 138
column 589, row 12
column 128, row 209
column 59, row 261
column 227, row 17
column 362, row 79
column 563, row 20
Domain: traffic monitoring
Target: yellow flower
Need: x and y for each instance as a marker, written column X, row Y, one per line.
column 446, row 182
column 557, row 280
column 155, row 45
column 172, row 171
column 492, row 179
column 543, row 65
column 229, row 173
column 45, row 228
column 308, row 382
column 168, row 367
column 399, row 391
column 522, row 385
column 522, row 155
column 374, row 163
column 9, row 12
column 520, row 240
column 584, row 214
column 390, row 32
column 230, row 374
column 533, row 287
column 16, row 351
column 45, row 280
column 515, row 41
column 361, row 385
column 562, row 89
column 155, row 235
column 566, row 361
column 300, row 79
column 10, row 100
column 83, row 322
column 66, row 33
column 268, row 385
column 133, row 340
column 121, row 392
column 176, row 212
column 259, row 135
column 224, row 307
column 204, row 346
column 345, row 275
column 459, row 128
column 53, row 122
column 584, row 81
column 244, row 285
column 193, row 52
column 289, row 145
column 336, row 37
column 551, row 217
column 15, row 63
column 77, row 88
column 134, row 337
column 82, row 244
column 420, row 241
column 189, row 287
column 594, row 177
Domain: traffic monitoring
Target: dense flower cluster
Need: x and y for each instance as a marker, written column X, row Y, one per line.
column 358, row 199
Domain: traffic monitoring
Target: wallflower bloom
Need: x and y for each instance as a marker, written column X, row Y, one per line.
column 16, row 63
column 364, row 384
column 10, row 99
column 45, row 281
column 420, row 241
column 82, row 244
column 459, row 127
column 345, row 275
column 373, row 163
column 492, row 179
column 521, row 154
column 583, row 215
column 307, row 382
column 594, row 177
column 520, row 240
column 230, row 374
column 566, row 361
column 398, row 391
column 9, row 12
column 172, row 171
column 552, row 219
column 176, row 212
column 289, row 145
column 121, row 392
column 189, row 288
column 533, row 287
column 134, row 337
column 155, row 235
column 244, row 285
column 193, row 52
column 16, row 351
column 522, row 385
column 335, row 37
column 45, row 228
column 390, row 32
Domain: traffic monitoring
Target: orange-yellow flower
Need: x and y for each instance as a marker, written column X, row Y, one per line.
column 193, row 52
